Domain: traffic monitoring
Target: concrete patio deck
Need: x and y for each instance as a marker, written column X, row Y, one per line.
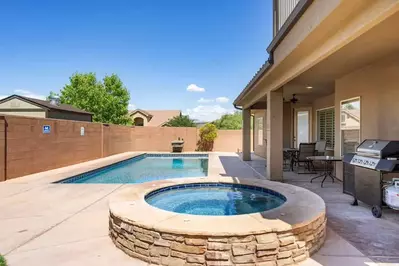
column 374, row 238
column 67, row 224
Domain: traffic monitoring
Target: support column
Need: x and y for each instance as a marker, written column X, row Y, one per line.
column 246, row 134
column 274, row 132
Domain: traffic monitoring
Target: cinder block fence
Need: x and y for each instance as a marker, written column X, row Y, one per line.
column 30, row 145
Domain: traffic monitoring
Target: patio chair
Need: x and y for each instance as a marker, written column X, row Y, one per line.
column 305, row 150
column 286, row 160
column 321, row 147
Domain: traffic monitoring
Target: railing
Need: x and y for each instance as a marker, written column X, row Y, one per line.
column 282, row 9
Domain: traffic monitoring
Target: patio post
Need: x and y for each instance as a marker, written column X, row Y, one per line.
column 246, row 134
column 274, row 133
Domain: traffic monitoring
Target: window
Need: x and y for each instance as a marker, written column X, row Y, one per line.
column 139, row 122
column 326, row 126
column 259, row 123
column 350, row 128
column 343, row 118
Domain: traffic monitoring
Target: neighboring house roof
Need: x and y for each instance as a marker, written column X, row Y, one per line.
column 157, row 117
column 145, row 113
column 355, row 113
column 46, row 104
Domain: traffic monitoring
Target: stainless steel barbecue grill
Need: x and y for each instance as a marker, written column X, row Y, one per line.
column 364, row 171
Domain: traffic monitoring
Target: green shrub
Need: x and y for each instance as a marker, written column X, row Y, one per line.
column 3, row 261
column 208, row 134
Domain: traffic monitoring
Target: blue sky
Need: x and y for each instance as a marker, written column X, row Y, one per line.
column 157, row 47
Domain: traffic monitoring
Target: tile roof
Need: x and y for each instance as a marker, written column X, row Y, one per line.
column 159, row 117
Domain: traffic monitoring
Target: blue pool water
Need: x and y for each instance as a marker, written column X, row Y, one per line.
column 215, row 199
column 146, row 168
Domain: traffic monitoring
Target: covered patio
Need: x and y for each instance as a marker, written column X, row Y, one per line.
column 333, row 77
column 340, row 88
column 373, row 238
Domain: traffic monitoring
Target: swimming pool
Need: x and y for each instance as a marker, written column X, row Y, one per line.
column 146, row 168
column 216, row 199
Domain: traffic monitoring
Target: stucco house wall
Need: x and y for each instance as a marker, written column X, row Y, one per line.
column 259, row 135
column 18, row 107
column 138, row 114
column 377, row 87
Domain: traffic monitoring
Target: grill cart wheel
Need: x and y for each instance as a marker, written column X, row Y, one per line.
column 376, row 211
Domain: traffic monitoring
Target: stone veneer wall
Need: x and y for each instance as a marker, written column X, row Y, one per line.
column 269, row 249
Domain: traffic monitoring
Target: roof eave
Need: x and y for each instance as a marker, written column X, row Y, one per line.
column 263, row 70
column 292, row 19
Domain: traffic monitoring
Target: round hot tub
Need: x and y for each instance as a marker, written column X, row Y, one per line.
column 217, row 199
column 217, row 221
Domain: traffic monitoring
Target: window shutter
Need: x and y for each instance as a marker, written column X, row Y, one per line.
column 326, row 126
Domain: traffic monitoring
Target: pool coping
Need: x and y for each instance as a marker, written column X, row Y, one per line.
column 284, row 235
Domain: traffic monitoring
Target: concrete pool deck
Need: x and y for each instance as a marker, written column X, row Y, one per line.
column 59, row 224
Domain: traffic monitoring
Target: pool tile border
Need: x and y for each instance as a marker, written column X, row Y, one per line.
column 87, row 175
column 225, row 185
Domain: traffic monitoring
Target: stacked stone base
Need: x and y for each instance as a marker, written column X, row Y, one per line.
column 268, row 249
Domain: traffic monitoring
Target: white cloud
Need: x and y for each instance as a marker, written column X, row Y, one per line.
column 207, row 113
column 132, row 106
column 195, row 88
column 203, row 100
column 222, row 99
column 26, row 93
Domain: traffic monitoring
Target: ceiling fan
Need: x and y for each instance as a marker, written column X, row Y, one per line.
column 293, row 100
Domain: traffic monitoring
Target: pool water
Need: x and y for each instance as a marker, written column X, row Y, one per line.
column 215, row 199
column 146, row 168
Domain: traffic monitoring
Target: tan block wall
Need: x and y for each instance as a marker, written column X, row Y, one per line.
column 30, row 151
column 117, row 139
column 159, row 138
column 229, row 141
column 2, row 150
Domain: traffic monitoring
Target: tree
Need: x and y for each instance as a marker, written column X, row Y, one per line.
column 180, row 121
column 52, row 95
column 208, row 134
column 229, row 121
column 3, row 261
column 107, row 100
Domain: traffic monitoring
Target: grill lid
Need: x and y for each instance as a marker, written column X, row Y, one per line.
column 378, row 148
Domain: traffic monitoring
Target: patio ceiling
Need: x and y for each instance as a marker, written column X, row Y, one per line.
column 331, row 52
column 379, row 42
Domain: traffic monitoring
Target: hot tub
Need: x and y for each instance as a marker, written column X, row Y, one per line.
column 243, row 228
column 217, row 199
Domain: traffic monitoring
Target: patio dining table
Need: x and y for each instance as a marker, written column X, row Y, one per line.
column 327, row 162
